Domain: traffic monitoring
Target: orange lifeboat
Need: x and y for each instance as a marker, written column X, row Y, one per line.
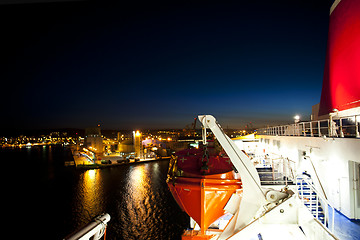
column 202, row 182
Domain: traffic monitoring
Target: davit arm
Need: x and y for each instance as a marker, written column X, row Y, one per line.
column 254, row 197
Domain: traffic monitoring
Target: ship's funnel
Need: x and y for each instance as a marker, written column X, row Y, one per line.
column 341, row 83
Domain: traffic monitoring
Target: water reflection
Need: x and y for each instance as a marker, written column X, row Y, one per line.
column 89, row 195
column 138, row 183
column 137, row 203
column 137, row 199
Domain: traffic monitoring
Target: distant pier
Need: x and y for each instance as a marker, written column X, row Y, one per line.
column 84, row 163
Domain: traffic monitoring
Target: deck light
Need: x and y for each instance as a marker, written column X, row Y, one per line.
column 297, row 118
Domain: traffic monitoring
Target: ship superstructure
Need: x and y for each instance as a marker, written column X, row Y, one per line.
column 328, row 147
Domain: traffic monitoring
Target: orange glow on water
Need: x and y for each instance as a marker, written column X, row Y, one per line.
column 90, row 194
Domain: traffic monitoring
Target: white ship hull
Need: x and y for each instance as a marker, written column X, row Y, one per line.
column 333, row 164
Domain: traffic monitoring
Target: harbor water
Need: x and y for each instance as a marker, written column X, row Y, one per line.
column 51, row 200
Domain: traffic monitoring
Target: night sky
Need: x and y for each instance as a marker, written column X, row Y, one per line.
column 159, row 64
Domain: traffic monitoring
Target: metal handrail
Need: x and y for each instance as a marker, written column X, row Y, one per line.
column 323, row 201
column 347, row 126
column 279, row 166
column 93, row 230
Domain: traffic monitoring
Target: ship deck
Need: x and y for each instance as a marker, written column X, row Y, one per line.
column 345, row 228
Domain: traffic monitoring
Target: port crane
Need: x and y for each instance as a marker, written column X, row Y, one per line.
column 190, row 129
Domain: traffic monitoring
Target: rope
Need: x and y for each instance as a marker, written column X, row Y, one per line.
column 205, row 166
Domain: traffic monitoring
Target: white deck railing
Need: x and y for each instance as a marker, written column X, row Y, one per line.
column 334, row 127
column 282, row 169
column 329, row 220
column 94, row 230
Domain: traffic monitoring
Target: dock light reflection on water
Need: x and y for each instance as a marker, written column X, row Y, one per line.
column 89, row 194
column 138, row 199
column 138, row 184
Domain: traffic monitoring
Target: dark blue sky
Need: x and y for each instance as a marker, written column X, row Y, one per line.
column 159, row 64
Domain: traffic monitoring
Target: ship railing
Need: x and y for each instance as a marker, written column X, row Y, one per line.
column 341, row 127
column 310, row 196
column 95, row 230
column 277, row 170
